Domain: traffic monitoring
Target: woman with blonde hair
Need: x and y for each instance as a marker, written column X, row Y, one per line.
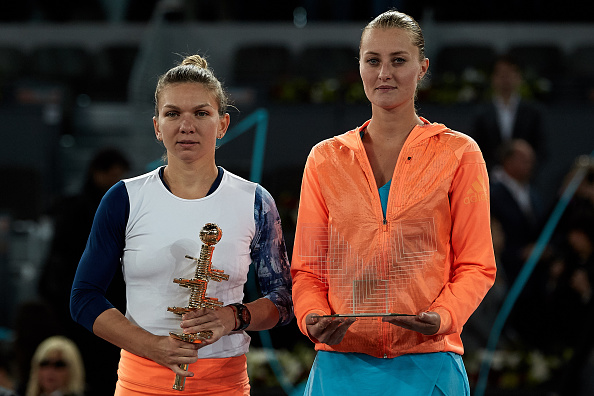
column 56, row 369
column 393, row 230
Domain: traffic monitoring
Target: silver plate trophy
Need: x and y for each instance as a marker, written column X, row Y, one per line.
column 367, row 280
column 210, row 235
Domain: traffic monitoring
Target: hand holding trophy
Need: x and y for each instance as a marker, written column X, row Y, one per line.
column 210, row 235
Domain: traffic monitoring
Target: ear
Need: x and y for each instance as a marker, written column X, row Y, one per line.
column 424, row 68
column 224, row 122
column 158, row 133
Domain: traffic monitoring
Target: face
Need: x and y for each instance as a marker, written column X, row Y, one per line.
column 506, row 78
column 188, row 123
column 390, row 67
column 104, row 179
column 521, row 163
column 53, row 373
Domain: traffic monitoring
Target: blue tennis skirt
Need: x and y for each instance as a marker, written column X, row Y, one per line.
column 425, row 374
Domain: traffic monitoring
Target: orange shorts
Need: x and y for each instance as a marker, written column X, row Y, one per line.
column 140, row 376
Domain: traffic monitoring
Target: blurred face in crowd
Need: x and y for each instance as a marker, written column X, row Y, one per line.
column 390, row 67
column 53, row 373
column 104, row 179
column 506, row 79
column 520, row 164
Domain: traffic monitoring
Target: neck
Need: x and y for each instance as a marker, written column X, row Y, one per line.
column 386, row 126
column 506, row 97
column 189, row 181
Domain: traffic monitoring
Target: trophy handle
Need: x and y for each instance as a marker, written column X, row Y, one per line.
column 180, row 382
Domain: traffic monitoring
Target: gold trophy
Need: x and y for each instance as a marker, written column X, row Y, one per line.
column 209, row 235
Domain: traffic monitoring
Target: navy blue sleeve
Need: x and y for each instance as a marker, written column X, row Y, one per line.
column 269, row 255
column 101, row 258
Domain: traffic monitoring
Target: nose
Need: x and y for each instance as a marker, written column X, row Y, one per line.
column 384, row 73
column 186, row 126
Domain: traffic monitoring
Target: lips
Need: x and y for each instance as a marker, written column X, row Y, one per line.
column 187, row 143
column 385, row 88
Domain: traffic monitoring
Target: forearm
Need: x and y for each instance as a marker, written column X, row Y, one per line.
column 115, row 328
column 264, row 314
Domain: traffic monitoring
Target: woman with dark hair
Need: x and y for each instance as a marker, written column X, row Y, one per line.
column 149, row 227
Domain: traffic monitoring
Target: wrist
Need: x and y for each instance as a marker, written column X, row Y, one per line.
column 235, row 320
column 242, row 316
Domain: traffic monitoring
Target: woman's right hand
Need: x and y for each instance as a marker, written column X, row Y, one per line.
column 171, row 353
column 329, row 331
column 114, row 327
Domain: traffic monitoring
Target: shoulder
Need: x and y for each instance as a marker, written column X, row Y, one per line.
column 325, row 145
column 451, row 139
column 149, row 177
column 335, row 148
column 238, row 183
column 459, row 145
column 115, row 193
column 264, row 199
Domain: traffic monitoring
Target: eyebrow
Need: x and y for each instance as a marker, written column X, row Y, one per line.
column 199, row 106
column 391, row 53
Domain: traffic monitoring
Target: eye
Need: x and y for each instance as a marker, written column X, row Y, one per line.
column 202, row 113
column 171, row 114
column 373, row 61
column 399, row 60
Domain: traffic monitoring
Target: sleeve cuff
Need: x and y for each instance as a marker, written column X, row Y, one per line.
column 446, row 320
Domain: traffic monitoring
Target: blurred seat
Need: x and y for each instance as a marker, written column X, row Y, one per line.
column 113, row 66
column 13, row 63
column 580, row 73
column 67, row 64
column 539, row 60
column 261, row 64
column 459, row 58
column 460, row 72
column 24, row 200
column 581, row 61
column 543, row 67
column 318, row 62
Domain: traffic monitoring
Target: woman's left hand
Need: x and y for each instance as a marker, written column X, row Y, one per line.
column 220, row 321
column 425, row 323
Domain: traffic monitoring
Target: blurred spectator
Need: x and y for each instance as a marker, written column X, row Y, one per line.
column 507, row 115
column 6, row 392
column 7, row 382
column 56, row 369
column 517, row 205
column 581, row 204
column 571, row 282
column 72, row 218
column 27, row 337
column 478, row 327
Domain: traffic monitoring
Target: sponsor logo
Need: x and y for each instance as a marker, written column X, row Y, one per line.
column 477, row 192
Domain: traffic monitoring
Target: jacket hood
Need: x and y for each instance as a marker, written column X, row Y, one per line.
column 352, row 139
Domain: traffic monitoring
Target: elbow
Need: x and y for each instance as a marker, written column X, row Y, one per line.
column 284, row 305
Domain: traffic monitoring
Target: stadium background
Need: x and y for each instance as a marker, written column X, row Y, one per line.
column 79, row 76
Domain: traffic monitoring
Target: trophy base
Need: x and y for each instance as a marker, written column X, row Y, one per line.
column 363, row 315
column 195, row 338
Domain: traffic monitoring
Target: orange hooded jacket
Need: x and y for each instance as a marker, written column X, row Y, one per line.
column 431, row 252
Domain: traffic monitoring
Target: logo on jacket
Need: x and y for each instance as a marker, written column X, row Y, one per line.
column 477, row 192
